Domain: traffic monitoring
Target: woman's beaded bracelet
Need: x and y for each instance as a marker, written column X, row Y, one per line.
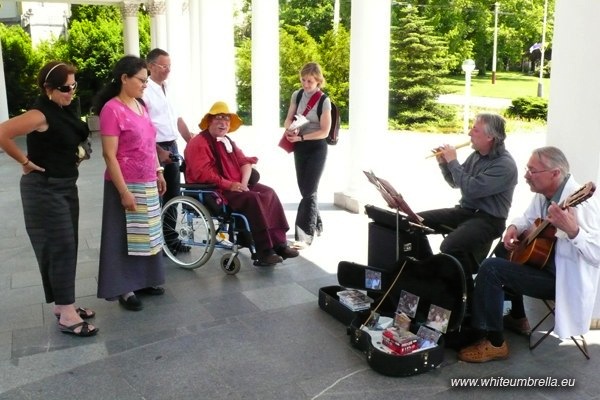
column 160, row 169
column 25, row 163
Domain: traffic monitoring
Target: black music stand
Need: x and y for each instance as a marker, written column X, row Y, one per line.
column 395, row 201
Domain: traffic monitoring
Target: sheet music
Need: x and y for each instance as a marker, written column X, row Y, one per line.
column 392, row 197
column 299, row 121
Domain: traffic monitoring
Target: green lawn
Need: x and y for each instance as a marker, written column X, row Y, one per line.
column 509, row 85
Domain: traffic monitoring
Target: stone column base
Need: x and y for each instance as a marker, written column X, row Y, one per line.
column 347, row 202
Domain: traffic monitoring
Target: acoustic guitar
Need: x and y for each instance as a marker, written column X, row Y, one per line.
column 536, row 243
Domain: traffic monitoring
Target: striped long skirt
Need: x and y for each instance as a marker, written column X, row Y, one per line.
column 120, row 272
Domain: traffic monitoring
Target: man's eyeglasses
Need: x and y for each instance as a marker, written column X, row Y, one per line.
column 143, row 80
column 163, row 66
column 534, row 172
column 67, row 88
column 222, row 117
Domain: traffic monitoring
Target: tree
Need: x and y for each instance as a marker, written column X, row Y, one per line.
column 244, row 80
column 95, row 44
column 296, row 47
column 468, row 28
column 335, row 56
column 94, row 47
column 21, row 67
column 417, row 63
column 305, row 35
column 315, row 16
column 94, row 13
column 463, row 24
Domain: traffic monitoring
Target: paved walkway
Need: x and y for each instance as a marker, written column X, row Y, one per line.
column 480, row 101
column 256, row 335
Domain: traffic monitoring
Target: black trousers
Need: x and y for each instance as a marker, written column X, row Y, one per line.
column 51, row 211
column 172, row 177
column 469, row 233
column 171, row 173
column 309, row 159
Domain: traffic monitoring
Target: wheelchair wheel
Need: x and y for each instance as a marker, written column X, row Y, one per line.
column 189, row 232
column 235, row 265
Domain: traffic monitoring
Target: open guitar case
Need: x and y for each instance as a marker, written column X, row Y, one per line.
column 437, row 279
column 400, row 254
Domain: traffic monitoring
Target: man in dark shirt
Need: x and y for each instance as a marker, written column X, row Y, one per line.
column 487, row 181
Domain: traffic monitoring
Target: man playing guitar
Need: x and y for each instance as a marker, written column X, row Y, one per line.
column 568, row 274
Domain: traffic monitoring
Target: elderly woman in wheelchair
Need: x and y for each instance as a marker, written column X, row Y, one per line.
column 214, row 159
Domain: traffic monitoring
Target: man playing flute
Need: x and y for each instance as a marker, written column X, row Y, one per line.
column 487, row 181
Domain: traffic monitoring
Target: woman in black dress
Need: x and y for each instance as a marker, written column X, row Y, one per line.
column 49, row 188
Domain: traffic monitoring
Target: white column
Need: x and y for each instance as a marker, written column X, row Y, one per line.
column 265, row 70
column 573, row 117
column 216, row 66
column 195, row 52
column 178, row 28
column 178, row 47
column 158, row 23
column 131, row 34
column 368, row 103
column 3, row 97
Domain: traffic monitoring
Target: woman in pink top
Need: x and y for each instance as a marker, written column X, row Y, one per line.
column 131, row 240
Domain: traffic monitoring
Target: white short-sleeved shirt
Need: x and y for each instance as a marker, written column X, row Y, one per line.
column 161, row 111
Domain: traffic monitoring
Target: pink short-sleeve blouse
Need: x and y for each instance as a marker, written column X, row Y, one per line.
column 136, row 152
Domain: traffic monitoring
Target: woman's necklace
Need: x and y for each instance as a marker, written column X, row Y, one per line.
column 137, row 109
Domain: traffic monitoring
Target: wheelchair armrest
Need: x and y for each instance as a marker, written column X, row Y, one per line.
column 198, row 186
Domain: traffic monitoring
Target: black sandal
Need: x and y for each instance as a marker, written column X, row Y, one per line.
column 84, row 332
column 84, row 313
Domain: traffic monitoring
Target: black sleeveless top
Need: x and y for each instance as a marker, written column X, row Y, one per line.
column 56, row 149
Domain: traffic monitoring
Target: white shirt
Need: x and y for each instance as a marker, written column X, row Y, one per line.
column 577, row 262
column 161, row 111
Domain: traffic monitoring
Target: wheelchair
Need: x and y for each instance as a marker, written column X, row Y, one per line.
column 200, row 221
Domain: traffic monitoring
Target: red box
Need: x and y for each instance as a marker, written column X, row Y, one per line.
column 400, row 342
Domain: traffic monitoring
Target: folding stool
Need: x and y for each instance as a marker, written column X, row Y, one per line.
column 579, row 341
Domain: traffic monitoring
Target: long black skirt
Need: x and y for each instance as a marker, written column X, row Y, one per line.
column 120, row 273
column 51, row 211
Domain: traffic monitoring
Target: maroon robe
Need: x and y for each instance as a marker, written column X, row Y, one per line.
column 260, row 204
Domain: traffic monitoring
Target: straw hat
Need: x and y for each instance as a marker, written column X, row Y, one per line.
column 220, row 107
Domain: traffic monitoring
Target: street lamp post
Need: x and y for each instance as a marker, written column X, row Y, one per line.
column 336, row 15
column 468, row 66
column 540, row 91
column 496, row 7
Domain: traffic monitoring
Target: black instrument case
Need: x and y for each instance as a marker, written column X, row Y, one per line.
column 437, row 280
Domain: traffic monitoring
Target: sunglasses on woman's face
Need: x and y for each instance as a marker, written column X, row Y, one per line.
column 67, row 88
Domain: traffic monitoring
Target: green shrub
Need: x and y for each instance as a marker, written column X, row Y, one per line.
column 529, row 108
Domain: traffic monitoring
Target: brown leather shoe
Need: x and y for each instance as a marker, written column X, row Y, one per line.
column 287, row 252
column 517, row 325
column 483, row 351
